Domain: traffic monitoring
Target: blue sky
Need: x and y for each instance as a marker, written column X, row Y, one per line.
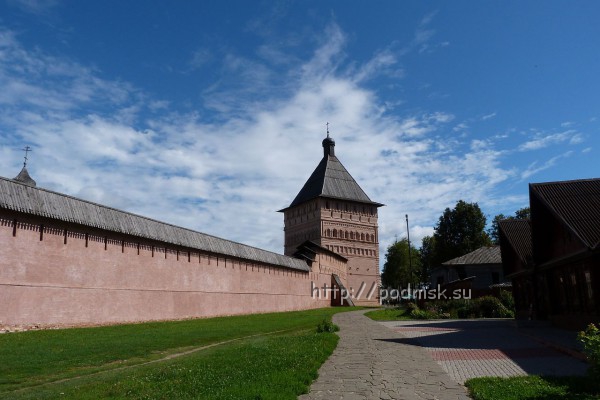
column 210, row 114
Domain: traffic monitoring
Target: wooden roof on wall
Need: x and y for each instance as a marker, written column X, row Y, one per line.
column 40, row 202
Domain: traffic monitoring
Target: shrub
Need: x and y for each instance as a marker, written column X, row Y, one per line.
column 507, row 299
column 492, row 307
column 410, row 306
column 327, row 326
column 591, row 346
column 467, row 309
column 422, row 314
column 455, row 308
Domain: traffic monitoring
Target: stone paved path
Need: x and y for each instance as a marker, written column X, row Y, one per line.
column 472, row 348
column 372, row 361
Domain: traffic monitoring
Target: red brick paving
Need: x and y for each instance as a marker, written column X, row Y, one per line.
column 471, row 348
column 421, row 329
column 490, row 354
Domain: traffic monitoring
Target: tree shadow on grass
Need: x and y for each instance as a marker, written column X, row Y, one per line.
column 575, row 388
column 534, row 388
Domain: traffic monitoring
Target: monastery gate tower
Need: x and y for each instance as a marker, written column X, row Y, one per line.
column 333, row 211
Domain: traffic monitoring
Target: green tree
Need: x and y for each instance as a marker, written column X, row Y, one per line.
column 523, row 213
column 398, row 272
column 427, row 253
column 458, row 232
column 494, row 231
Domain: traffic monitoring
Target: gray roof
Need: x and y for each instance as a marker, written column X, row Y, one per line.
column 518, row 234
column 483, row 255
column 576, row 203
column 330, row 179
column 24, row 177
column 20, row 197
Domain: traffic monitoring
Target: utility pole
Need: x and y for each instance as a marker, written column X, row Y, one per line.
column 409, row 256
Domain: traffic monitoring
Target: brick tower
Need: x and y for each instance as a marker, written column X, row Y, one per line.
column 334, row 212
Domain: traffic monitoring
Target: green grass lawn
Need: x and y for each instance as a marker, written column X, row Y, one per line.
column 261, row 363
column 389, row 314
column 533, row 387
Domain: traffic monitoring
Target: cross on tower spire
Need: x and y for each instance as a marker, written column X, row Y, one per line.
column 23, row 176
column 327, row 124
column 27, row 149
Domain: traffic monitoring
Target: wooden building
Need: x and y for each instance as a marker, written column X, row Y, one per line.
column 477, row 270
column 555, row 265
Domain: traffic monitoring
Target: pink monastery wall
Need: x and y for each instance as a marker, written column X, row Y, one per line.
column 65, row 274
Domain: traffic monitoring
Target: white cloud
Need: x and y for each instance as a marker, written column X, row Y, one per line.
column 34, row 6
column 200, row 58
column 535, row 167
column 105, row 141
column 576, row 139
column 543, row 140
column 460, row 127
column 381, row 63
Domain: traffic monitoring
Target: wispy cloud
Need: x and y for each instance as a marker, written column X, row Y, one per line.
column 382, row 63
column 542, row 140
column 34, row 6
column 423, row 33
column 226, row 175
column 460, row 127
column 201, row 57
column 535, row 167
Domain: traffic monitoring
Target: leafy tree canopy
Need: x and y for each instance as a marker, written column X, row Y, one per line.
column 398, row 272
column 459, row 231
column 494, row 231
column 427, row 253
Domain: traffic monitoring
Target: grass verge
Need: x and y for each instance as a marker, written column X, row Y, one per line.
column 267, row 367
column 32, row 358
column 533, row 387
column 389, row 314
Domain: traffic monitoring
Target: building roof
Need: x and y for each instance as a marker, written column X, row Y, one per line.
column 483, row 255
column 24, row 177
column 20, row 197
column 309, row 249
column 577, row 204
column 518, row 234
column 331, row 180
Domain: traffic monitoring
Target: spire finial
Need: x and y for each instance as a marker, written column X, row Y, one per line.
column 23, row 176
column 328, row 144
column 27, row 149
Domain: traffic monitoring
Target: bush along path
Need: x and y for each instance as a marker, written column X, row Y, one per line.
column 482, row 307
